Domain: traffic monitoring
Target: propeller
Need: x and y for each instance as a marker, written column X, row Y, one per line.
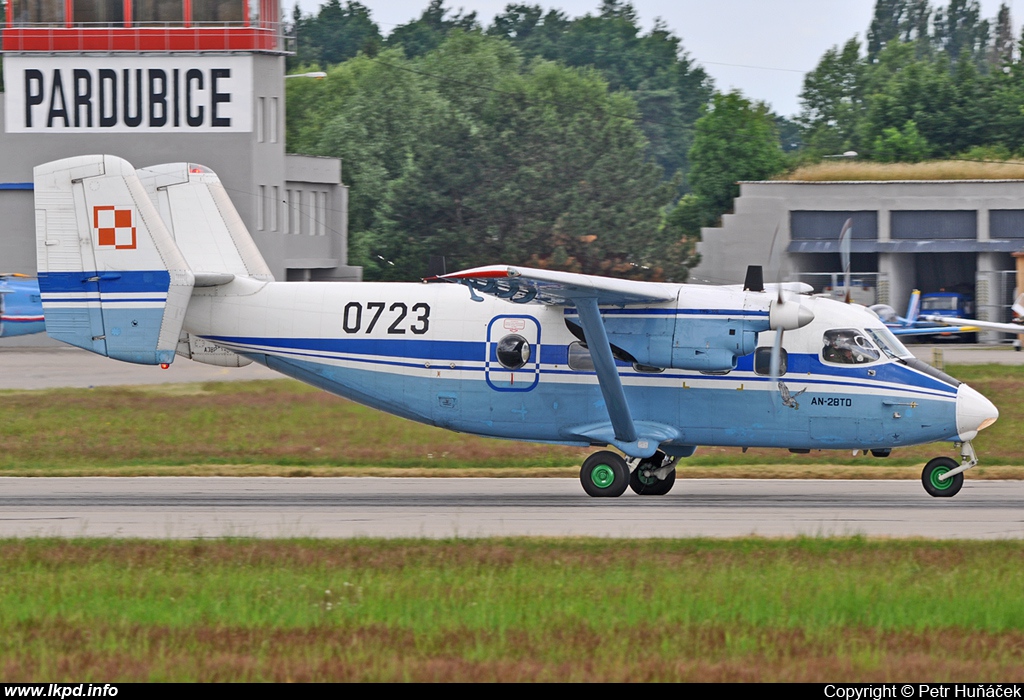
column 783, row 314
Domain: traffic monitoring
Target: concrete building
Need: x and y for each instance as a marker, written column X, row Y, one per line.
column 157, row 81
column 915, row 234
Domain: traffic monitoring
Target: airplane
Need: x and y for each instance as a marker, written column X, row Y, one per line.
column 141, row 265
column 913, row 323
column 21, row 308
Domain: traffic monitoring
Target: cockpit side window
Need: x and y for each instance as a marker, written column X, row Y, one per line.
column 848, row 346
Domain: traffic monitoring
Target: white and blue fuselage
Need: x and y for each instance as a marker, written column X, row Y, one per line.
column 428, row 353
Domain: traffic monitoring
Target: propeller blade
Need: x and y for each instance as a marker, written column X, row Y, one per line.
column 845, row 246
column 778, row 266
column 776, row 357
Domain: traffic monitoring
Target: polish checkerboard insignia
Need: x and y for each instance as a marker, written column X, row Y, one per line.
column 115, row 227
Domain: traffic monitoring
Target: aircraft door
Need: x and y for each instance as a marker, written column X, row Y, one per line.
column 513, row 353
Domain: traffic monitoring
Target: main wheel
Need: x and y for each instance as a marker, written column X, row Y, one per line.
column 603, row 474
column 646, row 484
column 937, row 487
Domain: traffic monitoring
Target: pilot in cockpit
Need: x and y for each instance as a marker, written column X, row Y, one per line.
column 847, row 347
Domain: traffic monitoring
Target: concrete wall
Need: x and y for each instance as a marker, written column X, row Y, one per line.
column 745, row 236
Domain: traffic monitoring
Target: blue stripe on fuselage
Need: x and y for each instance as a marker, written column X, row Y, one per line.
column 110, row 282
column 803, row 368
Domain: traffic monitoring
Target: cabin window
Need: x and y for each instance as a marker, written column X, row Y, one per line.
column 513, row 351
column 763, row 361
column 579, row 358
column 847, row 346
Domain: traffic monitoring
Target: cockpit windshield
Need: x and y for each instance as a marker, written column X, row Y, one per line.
column 889, row 343
column 848, row 346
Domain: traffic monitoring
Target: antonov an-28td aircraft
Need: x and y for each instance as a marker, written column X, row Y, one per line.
column 139, row 265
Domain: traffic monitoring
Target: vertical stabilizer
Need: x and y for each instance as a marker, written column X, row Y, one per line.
column 111, row 277
column 913, row 307
column 205, row 224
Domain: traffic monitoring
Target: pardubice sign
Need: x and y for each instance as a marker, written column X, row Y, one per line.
column 114, row 94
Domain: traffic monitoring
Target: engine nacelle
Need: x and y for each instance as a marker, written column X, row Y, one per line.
column 709, row 345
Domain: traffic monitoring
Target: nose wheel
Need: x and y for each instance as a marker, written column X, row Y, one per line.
column 939, row 487
column 943, row 477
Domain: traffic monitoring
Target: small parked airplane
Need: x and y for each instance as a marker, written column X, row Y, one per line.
column 21, row 308
column 916, row 324
column 141, row 264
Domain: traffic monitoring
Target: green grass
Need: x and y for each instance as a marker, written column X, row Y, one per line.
column 283, row 427
column 516, row 609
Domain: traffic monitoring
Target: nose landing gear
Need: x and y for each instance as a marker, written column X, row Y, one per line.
column 943, row 477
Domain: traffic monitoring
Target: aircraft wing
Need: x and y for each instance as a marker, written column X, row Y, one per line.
column 988, row 325
column 527, row 285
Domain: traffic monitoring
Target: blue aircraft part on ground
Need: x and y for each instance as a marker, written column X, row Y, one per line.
column 21, row 308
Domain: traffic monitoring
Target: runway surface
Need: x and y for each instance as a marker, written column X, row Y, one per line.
column 170, row 507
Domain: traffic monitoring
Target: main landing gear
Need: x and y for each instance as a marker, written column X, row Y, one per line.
column 943, row 477
column 606, row 474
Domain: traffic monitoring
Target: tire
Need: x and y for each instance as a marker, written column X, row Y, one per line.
column 604, row 474
column 651, row 486
column 941, row 489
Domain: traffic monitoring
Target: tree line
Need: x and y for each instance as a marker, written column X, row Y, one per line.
column 927, row 82
column 588, row 144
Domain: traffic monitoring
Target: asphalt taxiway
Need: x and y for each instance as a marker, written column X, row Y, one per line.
column 194, row 507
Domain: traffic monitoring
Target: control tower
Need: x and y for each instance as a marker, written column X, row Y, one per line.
column 157, row 81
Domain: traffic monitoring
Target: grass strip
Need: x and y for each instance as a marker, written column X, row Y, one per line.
column 511, row 609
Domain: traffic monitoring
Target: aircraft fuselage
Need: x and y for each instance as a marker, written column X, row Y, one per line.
column 430, row 353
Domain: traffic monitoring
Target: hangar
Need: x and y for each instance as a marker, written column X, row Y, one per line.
column 157, row 81
column 932, row 235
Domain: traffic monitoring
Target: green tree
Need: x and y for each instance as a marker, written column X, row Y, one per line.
column 735, row 140
column 832, row 102
column 903, row 145
column 960, row 32
column 668, row 86
column 425, row 34
column 472, row 153
column 335, row 34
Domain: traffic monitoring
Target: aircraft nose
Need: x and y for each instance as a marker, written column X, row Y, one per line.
column 973, row 412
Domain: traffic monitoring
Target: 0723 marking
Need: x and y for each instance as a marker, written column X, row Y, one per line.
column 352, row 320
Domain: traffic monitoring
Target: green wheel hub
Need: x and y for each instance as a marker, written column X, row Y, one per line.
column 602, row 475
column 645, row 479
column 938, row 483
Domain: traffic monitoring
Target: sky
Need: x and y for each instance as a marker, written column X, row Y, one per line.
column 761, row 48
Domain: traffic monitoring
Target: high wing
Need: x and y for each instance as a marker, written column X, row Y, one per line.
column 524, row 285
column 989, row 325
